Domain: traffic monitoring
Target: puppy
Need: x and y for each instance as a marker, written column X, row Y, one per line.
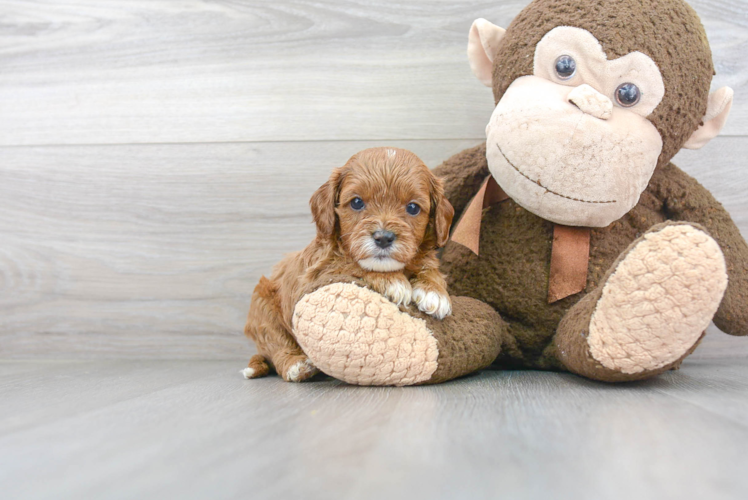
column 380, row 218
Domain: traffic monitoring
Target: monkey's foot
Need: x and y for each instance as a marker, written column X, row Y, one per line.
column 358, row 336
column 653, row 308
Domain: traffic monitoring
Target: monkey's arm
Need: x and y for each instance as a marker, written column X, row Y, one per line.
column 462, row 175
column 687, row 200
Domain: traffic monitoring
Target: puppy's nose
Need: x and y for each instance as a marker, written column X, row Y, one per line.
column 384, row 239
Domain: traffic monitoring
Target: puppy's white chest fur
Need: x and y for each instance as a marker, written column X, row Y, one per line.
column 385, row 265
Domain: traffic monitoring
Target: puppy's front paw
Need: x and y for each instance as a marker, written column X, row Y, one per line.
column 399, row 291
column 435, row 304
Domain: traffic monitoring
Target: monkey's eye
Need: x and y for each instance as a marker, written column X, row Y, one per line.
column 628, row 94
column 412, row 209
column 357, row 204
column 566, row 66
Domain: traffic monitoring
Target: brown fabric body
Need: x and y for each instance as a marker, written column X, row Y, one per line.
column 468, row 340
column 571, row 245
column 574, row 352
column 511, row 274
column 570, row 341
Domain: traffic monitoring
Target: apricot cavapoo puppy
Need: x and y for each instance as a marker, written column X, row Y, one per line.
column 380, row 218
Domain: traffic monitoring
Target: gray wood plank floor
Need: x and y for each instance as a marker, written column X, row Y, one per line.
column 197, row 429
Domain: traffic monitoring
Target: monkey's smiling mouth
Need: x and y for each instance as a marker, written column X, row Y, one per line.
column 546, row 189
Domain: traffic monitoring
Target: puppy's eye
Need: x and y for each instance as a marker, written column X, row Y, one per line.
column 412, row 209
column 357, row 204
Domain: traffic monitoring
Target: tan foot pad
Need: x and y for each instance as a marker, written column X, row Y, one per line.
column 659, row 300
column 356, row 335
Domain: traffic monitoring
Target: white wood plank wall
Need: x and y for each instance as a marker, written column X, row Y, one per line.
column 156, row 157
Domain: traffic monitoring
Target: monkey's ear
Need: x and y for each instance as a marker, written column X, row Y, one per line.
column 717, row 110
column 323, row 203
column 483, row 42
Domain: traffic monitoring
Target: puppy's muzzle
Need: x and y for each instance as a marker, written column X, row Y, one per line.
column 383, row 239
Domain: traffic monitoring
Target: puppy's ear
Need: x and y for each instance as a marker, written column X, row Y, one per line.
column 441, row 212
column 323, row 203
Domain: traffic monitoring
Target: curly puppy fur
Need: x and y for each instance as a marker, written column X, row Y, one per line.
column 373, row 194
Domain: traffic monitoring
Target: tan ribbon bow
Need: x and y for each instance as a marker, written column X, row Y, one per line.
column 570, row 257
column 569, row 254
column 467, row 229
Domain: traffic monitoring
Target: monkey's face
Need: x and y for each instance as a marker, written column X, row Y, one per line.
column 590, row 99
column 572, row 143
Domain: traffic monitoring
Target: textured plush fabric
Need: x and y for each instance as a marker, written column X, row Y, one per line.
column 468, row 340
column 511, row 273
column 573, row 350
column 358, row 336
column 717, row 111
column 598, row 73
column 562, row 163
column 483, row 39
column 659, row 300
column 686, row 200
column 668, row 31
column 462, row 176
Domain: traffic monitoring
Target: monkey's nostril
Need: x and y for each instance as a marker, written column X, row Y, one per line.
column 384, row 239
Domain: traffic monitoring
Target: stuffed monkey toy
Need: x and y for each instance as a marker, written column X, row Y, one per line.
column 595, row 254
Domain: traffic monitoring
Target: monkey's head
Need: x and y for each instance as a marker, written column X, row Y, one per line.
column 591, row 96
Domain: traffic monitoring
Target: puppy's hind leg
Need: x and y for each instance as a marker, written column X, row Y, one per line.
column 257, row 367
column 276, row 346
column 293, row 365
